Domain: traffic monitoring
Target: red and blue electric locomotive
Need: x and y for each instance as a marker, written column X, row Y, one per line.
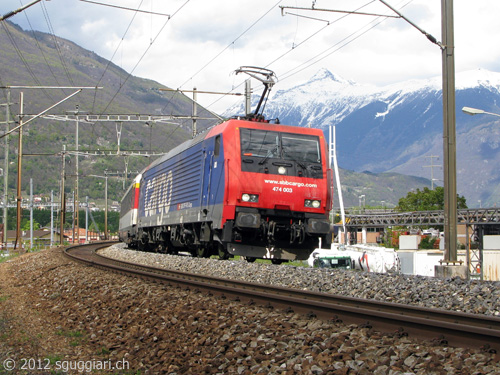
column 246, row 187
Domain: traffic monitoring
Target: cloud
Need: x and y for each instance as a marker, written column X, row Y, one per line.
column 195, row 47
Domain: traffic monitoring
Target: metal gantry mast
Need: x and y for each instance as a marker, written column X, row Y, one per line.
column 449, row 138
column 20, row 143
column 6, row 168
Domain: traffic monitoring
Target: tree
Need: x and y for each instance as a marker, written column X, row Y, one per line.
column 25, row 225
column 427, row 200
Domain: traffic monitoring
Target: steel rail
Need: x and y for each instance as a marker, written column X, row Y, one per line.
column 440, row 326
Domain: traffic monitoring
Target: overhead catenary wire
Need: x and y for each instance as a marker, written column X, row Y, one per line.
column 340, row 44
column 231, row 44
column 125, row 8
column 317, row 32
column 174, row 95
column 25, row 61
column 56, row 44
column 325, row 53
column 20, row 54
column 114, row 53
column 279, row 58
column 295, row 46
column 143, row 55
column 41, row 50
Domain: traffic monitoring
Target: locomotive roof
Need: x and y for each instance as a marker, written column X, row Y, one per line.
column 178, row 149
column 217, row 129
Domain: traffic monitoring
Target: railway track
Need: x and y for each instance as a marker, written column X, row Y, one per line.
column 439, row 326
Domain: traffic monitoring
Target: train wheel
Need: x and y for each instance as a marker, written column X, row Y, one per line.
column 223, row 254
column 249, row 259
column 277, row 261
column 202, row 252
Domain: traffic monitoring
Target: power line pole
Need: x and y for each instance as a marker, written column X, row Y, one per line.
column 449, row 134
column 63, row 196
column 432, row 168
column 6, row 168
column 76, row 214
column 19, row 169
column 20, row 143
column 195, row 111
column 73, row 219
column 447, row 47
column 86, row 219
column 51, row 218
column 31, row 213
column 106, row 205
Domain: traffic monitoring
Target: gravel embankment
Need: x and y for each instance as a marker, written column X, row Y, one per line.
column 51, row 307
column 452, row 294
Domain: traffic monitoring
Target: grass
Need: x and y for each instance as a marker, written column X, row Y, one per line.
column 69, row 333
column 78, row 336
column 104, row 351
column 8, row 257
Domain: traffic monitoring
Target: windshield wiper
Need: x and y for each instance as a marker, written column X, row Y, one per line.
column 292, row 158
column 269, row 154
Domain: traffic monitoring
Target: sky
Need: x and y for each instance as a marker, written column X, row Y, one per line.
column 203, row 42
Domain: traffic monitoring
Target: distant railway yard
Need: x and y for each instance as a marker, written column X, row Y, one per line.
column 55, row 310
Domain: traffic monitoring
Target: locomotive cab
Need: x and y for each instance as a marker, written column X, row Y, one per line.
column 279, row 189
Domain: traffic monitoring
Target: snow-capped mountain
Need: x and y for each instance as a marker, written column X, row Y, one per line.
column 398, row 127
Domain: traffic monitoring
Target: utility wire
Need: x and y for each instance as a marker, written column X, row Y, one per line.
column 316, row 33
column 58, row 48
column 221, row 52
column 324, row 54
column 341, row 44
column 114, row 53
column 317, row 58
column 230, row 44
column 120, row 7
column 144, row 54
column 295, row 46
column 43, row 54
column 20, row 54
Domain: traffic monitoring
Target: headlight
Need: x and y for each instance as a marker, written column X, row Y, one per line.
column 312, row 203
column 253, row 198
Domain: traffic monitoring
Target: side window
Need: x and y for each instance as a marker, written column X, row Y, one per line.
column 217, row 146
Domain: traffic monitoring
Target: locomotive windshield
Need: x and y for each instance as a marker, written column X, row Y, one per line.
column 263, row 151
column 259, row 143
column 300, row 148
column 287, row 146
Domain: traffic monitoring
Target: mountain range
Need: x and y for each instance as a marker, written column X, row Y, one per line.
column 383, row 134
column 34, row 59
column 399, row 127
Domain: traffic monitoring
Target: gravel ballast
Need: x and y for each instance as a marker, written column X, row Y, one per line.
column 455, row 294
column 52, row 307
